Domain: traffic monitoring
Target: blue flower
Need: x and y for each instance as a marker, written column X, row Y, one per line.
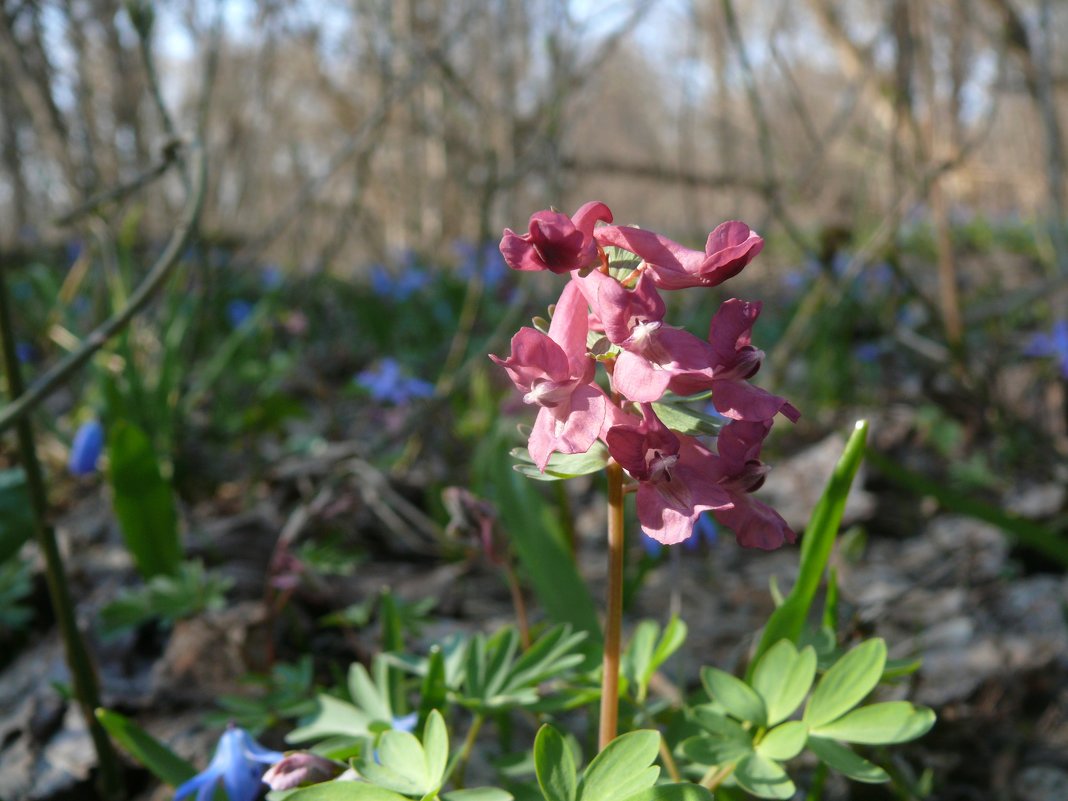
column 239, row 763
column 86, row 448
column 486, row 261
column 705, row 530
column 406, row 722
column 238, row 311
column 387, row 383
column 410, row 280
column 1052, row 345
column 272, row 277
column 868, row 352
column 25, row 352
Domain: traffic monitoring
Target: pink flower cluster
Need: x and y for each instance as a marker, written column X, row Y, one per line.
column 678, row 476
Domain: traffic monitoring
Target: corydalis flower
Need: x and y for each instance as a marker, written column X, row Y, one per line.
column 555, row 373
column 555, row 241
column 651, row 352
column 238, row 764
column 729, row 248
column 755, row 524
column 676, row 476
column 1053, row 345
column 731, row 359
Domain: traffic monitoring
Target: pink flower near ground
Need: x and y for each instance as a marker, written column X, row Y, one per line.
column 555, row 373
column 729, row 248
column 555, row 241
column 676, row 476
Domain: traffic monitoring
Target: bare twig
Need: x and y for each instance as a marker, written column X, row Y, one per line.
column 170, row 156
column 139, row 298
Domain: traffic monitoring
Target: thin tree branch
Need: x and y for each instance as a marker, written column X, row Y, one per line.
column 157, row 275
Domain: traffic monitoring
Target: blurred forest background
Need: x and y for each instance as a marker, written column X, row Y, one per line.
column 314, row 365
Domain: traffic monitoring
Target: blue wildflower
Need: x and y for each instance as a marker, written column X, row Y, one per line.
column 1052, row 345
column 406, row 722
column 387, row 383
column 238, row 311
column 868, row 352
column 86, row 448
column 238, row 763
column 271, row 278
column 400, row 287
column 73, row 251
column 25, row 352
column 486, row 261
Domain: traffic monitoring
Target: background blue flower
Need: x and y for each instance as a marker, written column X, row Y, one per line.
column 239, row 763
column 86, row 448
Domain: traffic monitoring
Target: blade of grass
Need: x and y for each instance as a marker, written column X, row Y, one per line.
column 787, row 620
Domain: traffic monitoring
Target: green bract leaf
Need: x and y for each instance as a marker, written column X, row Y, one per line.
column 163, row 763
column 783, row 678
column 554, row 765
column 143, row 501
column 639, row 656
column 784, row 742
column 846, row 762
column 763, row 778
column 880, row 724
column 846, row 684
column 562, row 465
column 737, row 697
column 622, row 768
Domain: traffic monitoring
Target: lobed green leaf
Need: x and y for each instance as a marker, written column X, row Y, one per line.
column 880, row 724
column 737, row 697
column 846, row 684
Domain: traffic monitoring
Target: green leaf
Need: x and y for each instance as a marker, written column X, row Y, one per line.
column 163, row 763
column 367, row 696
column 711, row 750
column 16, row 512
column 332, row 717
column 846, row 761
column 687, row 421
column 401, row 764
column 763, row 778
column 708, row 717
column 143, row 501
column 783, row 677
column 737, row 697
column 880, row 724
column 433, row 691
column 672, row 792
column 345, row 791
column 784, row 742
column 639, row 656
column 477, row 794
column 846, row 684
column 436, row 746
column 622, row 768
column 787, row 621
column 554, row 765
column 670, row 641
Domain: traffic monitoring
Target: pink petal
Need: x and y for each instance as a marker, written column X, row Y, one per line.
column 671, row 263
column 569, row 326
column 740, row 400
column 589, row 214
column 755, row 525
column 588, row 408
column 534, row 356
column 637, row 379
column 519, row 253
column 729, row 248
